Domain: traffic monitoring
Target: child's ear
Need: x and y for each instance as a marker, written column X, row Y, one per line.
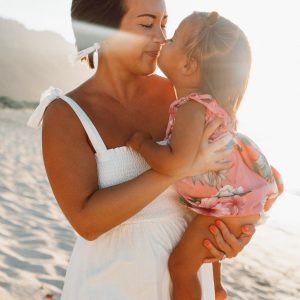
column 190, row 66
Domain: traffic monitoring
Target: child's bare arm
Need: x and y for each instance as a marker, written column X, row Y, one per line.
column 184, row 143
column 157, row 156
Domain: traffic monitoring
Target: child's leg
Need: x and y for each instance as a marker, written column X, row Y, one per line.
column 234, row 224
column 220, row 292
column 186, row 259
column 188, row 255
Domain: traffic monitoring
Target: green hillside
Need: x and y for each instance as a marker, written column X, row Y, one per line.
column 6, row 102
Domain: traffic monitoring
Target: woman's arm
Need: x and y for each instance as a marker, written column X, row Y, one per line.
column 71, row 168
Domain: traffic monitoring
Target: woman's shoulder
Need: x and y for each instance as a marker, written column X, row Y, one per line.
column 163, row 87
column 60, row 110
column 60, row 118
column 162, row 82
column 57, row 111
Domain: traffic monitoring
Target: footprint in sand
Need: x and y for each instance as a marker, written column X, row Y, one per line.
column 30, row 253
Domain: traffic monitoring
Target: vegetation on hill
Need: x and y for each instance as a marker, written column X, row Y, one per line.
column 6, row 102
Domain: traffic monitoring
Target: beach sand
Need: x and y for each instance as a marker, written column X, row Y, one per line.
column 36, row 240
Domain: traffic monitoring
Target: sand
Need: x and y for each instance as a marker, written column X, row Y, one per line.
column 36, row 240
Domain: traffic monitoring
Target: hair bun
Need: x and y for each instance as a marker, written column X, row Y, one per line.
column 212, row 18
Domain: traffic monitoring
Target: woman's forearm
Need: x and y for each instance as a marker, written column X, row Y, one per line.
column 111, row 206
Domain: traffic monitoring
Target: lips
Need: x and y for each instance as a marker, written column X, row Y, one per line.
column 153, row 54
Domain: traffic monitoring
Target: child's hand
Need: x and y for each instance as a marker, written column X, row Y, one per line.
column 137, row 139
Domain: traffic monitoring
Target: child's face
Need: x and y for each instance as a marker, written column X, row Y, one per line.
column 172, row 57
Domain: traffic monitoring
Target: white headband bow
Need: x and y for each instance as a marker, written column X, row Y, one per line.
column 81, row 54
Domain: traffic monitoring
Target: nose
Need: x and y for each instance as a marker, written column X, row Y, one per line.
column 160, row 36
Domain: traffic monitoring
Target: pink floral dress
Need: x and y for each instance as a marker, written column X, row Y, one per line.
column 249, row 187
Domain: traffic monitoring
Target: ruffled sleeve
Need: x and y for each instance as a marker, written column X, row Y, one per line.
column 36, row 119
column 213, row 111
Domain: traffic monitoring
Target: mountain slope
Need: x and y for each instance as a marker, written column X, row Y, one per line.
column 31, row 61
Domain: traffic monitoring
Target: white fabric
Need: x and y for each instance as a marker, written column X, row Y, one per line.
column 129, row 262
column 81, row 54
column 47, row 97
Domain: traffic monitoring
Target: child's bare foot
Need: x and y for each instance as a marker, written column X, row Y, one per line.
column 221, row 293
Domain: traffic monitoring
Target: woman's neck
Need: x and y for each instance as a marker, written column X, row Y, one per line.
column 115, row 81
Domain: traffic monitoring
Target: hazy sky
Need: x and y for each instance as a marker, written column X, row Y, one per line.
column 40, row 14
column 270, row 112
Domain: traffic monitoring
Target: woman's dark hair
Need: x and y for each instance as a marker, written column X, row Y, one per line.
column 107, row 13
column 224, row 56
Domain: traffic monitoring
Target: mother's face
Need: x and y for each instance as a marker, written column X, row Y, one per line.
column 145, row 20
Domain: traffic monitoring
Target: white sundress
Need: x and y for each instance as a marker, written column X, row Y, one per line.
column 129, row 262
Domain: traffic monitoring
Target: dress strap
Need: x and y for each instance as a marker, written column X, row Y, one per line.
column 213, row 110
column 177, row 103
column 50, row 95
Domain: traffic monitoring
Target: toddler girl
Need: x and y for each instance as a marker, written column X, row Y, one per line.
column 208, row 61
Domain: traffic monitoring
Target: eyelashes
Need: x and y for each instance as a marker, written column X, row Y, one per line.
column 151, row 26
column 146, row 26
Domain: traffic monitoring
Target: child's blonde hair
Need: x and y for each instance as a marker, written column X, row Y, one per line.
column 224, row 56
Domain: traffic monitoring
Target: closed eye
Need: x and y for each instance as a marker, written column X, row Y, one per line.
column 147, row 26
column 150, row 26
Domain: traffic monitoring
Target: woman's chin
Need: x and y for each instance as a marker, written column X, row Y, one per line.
column 149, row 69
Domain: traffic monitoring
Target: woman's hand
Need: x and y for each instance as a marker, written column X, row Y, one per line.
column 228, row 246
column 211, row 155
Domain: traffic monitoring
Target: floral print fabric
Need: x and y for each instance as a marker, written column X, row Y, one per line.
column 250, row 187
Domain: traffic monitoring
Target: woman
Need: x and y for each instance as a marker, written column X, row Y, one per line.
column 126, row 215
